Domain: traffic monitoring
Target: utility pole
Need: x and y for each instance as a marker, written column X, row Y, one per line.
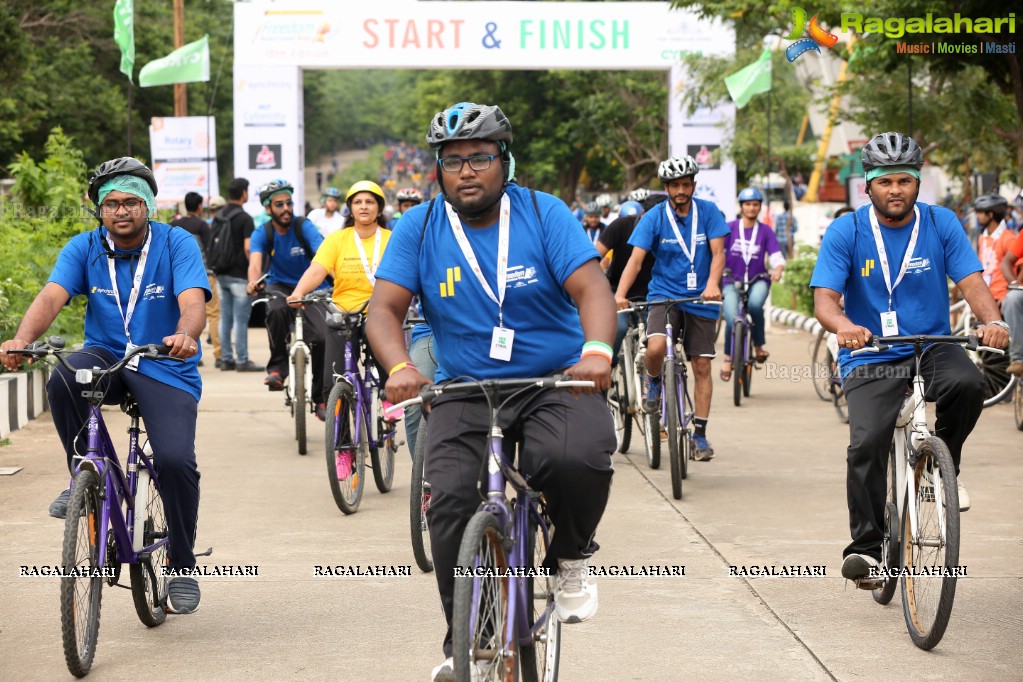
column 180, row 95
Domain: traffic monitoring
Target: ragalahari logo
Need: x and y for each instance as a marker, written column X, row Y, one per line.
column 819, row 37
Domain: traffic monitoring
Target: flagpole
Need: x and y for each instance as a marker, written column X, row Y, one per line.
column 769, row 98
column 131, row 89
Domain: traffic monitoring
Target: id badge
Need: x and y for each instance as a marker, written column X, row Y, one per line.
column 889, row 324
column 691, row 280
column 501, row 343
column 133, row 364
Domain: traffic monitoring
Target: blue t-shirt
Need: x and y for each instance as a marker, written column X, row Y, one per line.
column 174, row 265
column 289, row 261
column 849, row 264
column 654, row 235
column 542, row 254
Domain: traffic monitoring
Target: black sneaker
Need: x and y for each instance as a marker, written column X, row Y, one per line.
column 857, row 566
column 227, row 365
column 274, row 381
column 58, row 508
column 321, row 412
column 248, row 366
column 219, row 364
column 183, row 595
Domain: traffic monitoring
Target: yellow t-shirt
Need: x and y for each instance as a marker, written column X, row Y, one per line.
column 339, row 255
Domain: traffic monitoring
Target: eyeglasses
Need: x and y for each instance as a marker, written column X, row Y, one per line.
column 132, row 206
column 477, row 162
column 282, row 204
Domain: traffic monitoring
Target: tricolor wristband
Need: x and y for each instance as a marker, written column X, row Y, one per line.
column 598, row 348
column 400, row 366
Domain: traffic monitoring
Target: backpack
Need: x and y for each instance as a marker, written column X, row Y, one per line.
column 224, row 252
column 269, row 232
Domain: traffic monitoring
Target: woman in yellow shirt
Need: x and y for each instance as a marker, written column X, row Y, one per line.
column 351, row 256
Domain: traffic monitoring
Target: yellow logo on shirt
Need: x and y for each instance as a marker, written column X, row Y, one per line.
column 448, row 288
column 867, row 265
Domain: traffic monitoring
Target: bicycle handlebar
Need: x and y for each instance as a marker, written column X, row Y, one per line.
column 971, row 343
column 429, row 392
column 670, row 302
column 54, row 345
column 313, row 297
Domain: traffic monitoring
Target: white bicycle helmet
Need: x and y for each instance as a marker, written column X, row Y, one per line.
column 677, row 167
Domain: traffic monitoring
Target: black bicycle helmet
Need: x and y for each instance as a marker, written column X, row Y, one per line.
column 991, row 202
column 273, row 187
column 124, row 165
column 677, row 167
column 892, row 149
column 468, row 121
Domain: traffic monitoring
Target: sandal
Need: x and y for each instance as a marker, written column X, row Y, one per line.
column 762, row 356
column 726, row 374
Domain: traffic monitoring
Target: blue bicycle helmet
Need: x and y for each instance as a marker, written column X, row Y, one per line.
column 630, row 208
column 332, row 192
column 751, row 194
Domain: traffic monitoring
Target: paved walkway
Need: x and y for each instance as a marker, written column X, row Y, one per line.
column 773, row 496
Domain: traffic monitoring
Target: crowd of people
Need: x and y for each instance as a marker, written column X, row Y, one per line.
column 512, row 284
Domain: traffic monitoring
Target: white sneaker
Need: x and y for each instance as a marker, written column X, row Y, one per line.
column 575, row 591
column 964, row 497
column 445, row 672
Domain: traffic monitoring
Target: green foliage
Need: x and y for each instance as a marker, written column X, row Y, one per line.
column 796, row 280
column 367, row 169
column 42, row 214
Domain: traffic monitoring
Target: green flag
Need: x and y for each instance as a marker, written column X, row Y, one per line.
column 750, row 80
column 124, row 34
column 187, row 64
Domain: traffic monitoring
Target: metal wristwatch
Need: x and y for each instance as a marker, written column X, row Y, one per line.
column 1000, row 323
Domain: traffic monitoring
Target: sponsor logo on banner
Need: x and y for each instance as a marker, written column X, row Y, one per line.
column 264, row 156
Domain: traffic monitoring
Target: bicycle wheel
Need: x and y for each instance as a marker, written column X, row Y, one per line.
column 997, row 381
column 1018, row 405
column 890, row 556
column 838, row 398
column 671, row 428
column 821, row 367
column 80, row 597
column 339, row 436
column 298, row 403
column 480, row 611
column 618, row 400
column 382, row 456
column 148, row 584
column 927, row 599
column 419, row 504
column 539, row 661
column 652, row 439
column 738, row 361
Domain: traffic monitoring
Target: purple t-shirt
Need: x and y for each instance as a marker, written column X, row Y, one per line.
column 766, row 244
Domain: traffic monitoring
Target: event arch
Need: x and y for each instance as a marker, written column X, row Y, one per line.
column 275, row 41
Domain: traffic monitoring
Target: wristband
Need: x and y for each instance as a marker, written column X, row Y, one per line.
column 598, row 348
column 400, row 366
column 596, row 353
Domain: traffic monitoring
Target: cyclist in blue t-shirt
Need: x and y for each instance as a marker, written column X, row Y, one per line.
column 289, row 257
column 891, row 259
column 686, row 235
column 129, row 254
column 554, row 313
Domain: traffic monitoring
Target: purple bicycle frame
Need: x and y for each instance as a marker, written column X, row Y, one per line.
column 359, row 382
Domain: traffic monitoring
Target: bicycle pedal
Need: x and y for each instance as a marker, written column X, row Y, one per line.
column 208, row 552
column 870, row 583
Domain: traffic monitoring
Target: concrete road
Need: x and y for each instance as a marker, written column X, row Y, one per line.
column 774, row 496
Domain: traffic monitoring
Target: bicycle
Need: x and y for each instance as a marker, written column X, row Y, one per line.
column 620, row 395
column 827, row 379
column 999, row 383
column 496, row 632
column 921, row 534
column 419, row 488
column 744, row 360
column 1017, row 403
column 354, row 421
column 631, row 368
column 677, row 409
column 298, row 386
column 114, row 516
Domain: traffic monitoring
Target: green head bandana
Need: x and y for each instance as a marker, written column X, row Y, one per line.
column 888, row 170
column 129, row 184
column 271, row 197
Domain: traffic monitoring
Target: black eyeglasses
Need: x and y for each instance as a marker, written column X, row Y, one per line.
column 132, row 206
column 282, row 204
column 477, row 162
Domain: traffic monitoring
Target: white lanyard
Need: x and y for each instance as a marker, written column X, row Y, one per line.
column 882, row 254
column 133, row 297
column 370, row 272
column 502, row 253
column 747, row 253
column 691, row 249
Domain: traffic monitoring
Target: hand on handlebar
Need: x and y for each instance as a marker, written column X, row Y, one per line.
column 853, row 336
column 181, row 346
column 12, row 361
column 622, row 302
column 993, row 336
column 591, row 368
column 712, row 292
column 404, row 385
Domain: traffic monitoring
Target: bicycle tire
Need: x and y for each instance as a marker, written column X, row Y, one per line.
column 1018, row 405
column 419, row 503
column 652, row 439
column 148, row 584
column 821, row 371
column 338, row 434
column 738, row 361
column 671, row 428
column 998, row 383
column 618, row 399
column 890, row 555
column 927, row 601
column 539, row 662
column 839, row 401
column 638, row 370
column 81, row 598
column 480, row 613
column 382, row 456
column 298, row 402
